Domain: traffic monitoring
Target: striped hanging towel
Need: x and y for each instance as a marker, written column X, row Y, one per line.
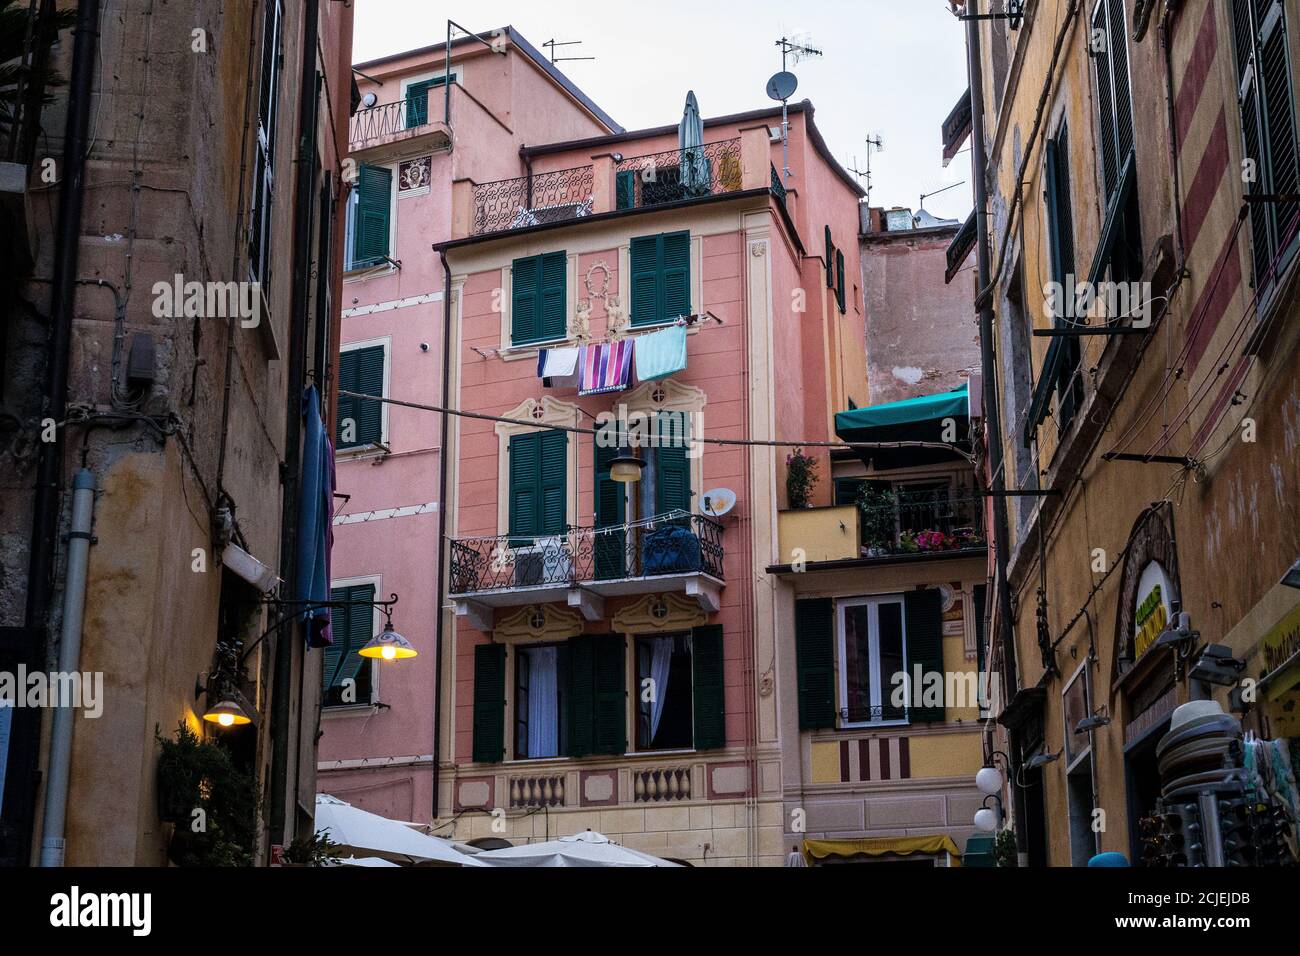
column 606, row 367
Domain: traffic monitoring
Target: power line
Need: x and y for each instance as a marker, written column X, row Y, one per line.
column 775, row 443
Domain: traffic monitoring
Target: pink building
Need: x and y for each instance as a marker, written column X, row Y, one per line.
column 411, row 137
column 619, row 658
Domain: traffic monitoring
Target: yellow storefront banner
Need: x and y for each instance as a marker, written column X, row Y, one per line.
column 1280, row 649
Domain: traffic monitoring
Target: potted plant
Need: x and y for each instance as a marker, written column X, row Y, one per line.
column 314, row 849
column 1004, row 848
column 800, row 477
column 211, row 802
column 879, row 507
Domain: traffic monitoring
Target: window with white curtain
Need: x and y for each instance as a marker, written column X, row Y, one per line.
column 665, row 716
column 540, row 701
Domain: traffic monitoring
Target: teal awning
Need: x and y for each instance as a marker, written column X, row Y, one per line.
column 912, row 419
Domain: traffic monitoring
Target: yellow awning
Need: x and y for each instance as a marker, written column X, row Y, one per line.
column 879, row 846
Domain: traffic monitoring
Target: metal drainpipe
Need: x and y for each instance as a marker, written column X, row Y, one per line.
column 440, row 628
column 74, row 608
column 49, row 474
column 992, row 418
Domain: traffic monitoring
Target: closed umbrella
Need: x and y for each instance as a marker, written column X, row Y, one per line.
column 581, row 849
column 370, row 835
column 690, row 138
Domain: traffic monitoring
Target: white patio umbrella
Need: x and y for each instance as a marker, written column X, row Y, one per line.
column 361, row 861
column 581, row 849
column 690, row 137
column 370, row 835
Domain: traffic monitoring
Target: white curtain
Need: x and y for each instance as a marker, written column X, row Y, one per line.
column 661, row 658
column 543, row 697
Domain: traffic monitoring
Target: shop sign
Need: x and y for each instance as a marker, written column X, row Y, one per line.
column 1152, row 611
column 1279, row 649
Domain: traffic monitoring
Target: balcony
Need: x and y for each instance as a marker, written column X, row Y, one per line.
column 928, row 521
column 678, row 175
column 615, row 183
column 583, row 566
column 886, row 524
column 531, row 200
column 390, row 124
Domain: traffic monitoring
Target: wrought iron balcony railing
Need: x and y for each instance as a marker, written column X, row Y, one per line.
column 532, row 200
column 676, row 543
column 930, row 520
column 676, row 175
column 778, row 187
column 386, row 119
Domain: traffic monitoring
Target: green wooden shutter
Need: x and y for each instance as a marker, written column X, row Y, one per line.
column 979, row 600
column 830, row 260
column 525, row 469
column 923, row 617
column 360, row 370
column 1278, row 111
column 347, row 407
column 673, row 468
column 611, row 510
column 582, row 695
column 675, row 272
column 839, row 279
column 417, row 103
column 489, row 703
column 370, row 233
column 525, row 300
column 847, row 490
column 710, row 706
column 609, row 733
column 625, row 189
column 370, row 381
column 553, row 484
column 814, row 640
column 552, row 295
column 361, row 619
column 538, row 484
column 644, row 255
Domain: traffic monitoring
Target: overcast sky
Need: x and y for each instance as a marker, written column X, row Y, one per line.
column 892, row 68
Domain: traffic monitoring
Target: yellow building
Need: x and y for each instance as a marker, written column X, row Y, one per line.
column 1139, row 149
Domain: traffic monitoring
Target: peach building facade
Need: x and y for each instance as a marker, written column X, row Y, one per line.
column 644, row 624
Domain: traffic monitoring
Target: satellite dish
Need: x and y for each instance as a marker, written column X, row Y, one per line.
column 782, row 85
column 369, row 99
column 718, row 502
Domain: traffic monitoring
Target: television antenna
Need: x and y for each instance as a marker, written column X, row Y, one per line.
column 876, row 142
column 782, row 86
column 553, row 43
column 925, row 196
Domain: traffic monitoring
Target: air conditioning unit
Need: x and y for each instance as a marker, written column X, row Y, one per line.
column 544, row 562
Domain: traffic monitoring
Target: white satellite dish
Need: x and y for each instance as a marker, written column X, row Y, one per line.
column 718, row 502
column 782, row 85
column 369, row 99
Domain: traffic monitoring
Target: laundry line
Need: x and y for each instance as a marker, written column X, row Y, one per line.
column 698, row 320
column 742, row 442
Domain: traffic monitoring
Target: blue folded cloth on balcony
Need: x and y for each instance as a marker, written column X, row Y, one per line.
column 670, row 550
column 660, row 354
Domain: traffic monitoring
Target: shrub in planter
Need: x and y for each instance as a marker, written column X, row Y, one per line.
column 196, row 774
column 1004, row 848
column 800, row 477
column 311, row 850
column 879, row 509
